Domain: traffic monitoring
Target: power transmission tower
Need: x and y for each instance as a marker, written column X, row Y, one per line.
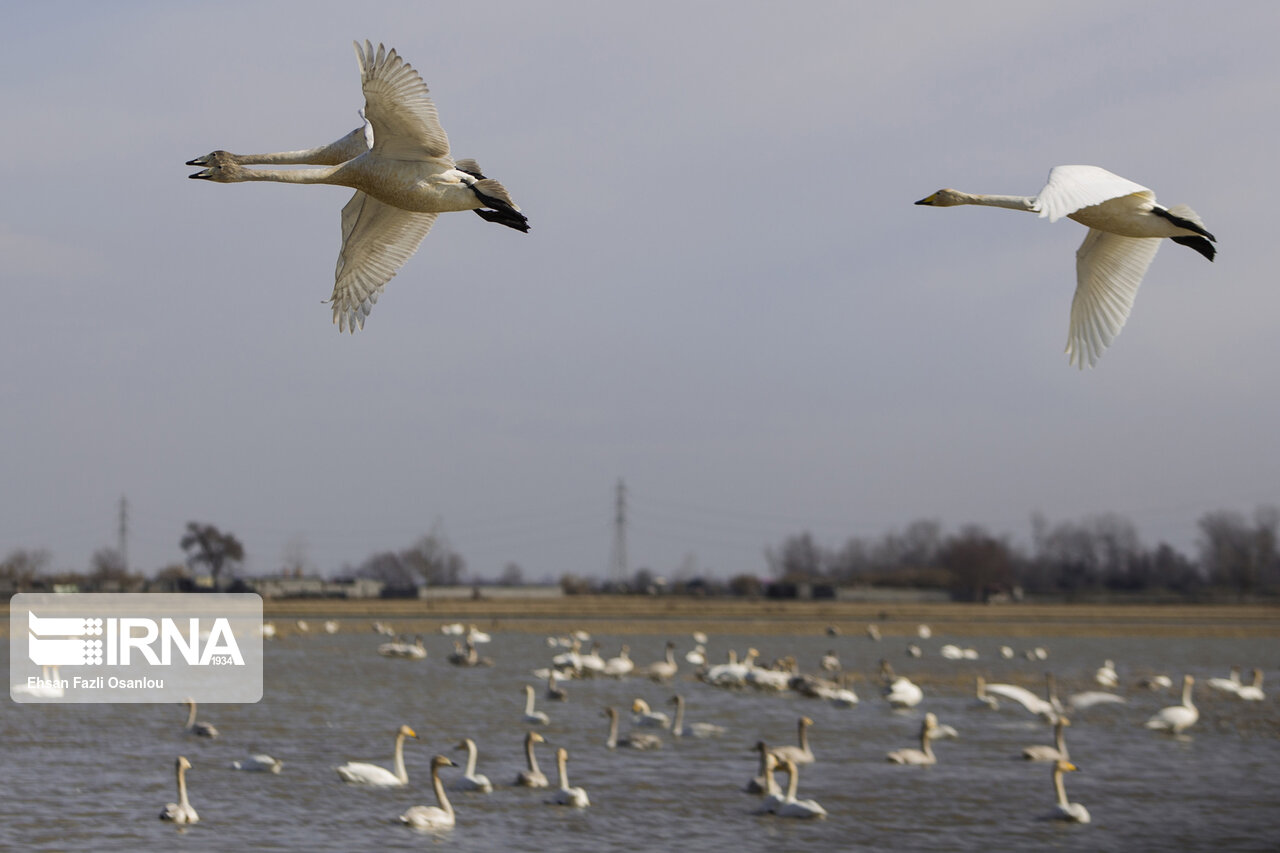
column 122, row 542
column 620, row 572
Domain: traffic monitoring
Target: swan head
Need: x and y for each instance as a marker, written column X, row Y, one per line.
column 183, row 763
column 944, row 198
column 405, row 731
column 562, row 754
column 467, row 743
column 442, row 761
column 534, row 737
column 1061, row 766
column 639, row 706
column 806, row 722
column 221, row 167
column 610, row 712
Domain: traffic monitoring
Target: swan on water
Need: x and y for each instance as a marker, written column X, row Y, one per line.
column 438, row 816
column 565, row 795
column 983, row 699
column 1064, row 809
column 1057, row 752
column 620, row 665
column 773, row 795
column 665, row 669
column 555, row 691
column 923, row 755
column 1177, row 718
column 403, row 178
column 1090, row 698
column 634, row 740
column 471, row 780
column 1106, row 675
column 360, row 773
column 763, row 781
column 680, row 728
column 800, row 753
column 531, row 716
column 644, row 717
column 1125, row 229
column 181, row 811
column 902, row 692
column 531, row 777
column 790, row 806
column 1252, row 692
column 200, row 729
column 259, row 763
column 1231, row 684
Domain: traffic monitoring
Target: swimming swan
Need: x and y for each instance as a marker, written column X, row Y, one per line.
column 566, row 796
column 1252, row 692
column 923, row 755
column 790, row 806
column 260, row 763
column 359, row 773
column 680, row 728
column 1231, row 684
column 438, row 816
column 1125, row 226
column 1176, row 718
column 532, row 777
column 471, row 780
column 1063, row 809
column 773, row 795
column 800, row 754
column 181, row 811
column 1106, row 674
column 399, row 164
column 198, row 728
column 645, row 717
column 665, row 669
column 903, row 693
column 634, row 740
column 763, row 782
column 1057, row 752
column 532, row 717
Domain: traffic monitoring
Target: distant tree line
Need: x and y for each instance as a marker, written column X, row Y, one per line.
column 1102, row 553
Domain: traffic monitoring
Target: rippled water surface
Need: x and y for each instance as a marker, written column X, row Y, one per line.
column 95, row 777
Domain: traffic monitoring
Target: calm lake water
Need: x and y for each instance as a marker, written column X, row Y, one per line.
column 95, row 777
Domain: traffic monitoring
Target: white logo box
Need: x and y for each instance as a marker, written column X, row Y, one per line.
column 135, row 647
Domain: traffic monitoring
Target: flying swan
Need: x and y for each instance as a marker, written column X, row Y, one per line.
column 358, row 773
column 1125, row 227
column 181, row 811
column 398, row 163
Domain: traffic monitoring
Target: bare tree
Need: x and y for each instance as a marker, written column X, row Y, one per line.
column 207, row 545
column 20, row 566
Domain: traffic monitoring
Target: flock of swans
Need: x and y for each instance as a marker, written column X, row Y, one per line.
column 647, row 727
column 400, row 166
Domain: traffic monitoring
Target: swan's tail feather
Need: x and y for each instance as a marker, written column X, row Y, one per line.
column 1184, row 217
column 471, row 167
column 504, row 210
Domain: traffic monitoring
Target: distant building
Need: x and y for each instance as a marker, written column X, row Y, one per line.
column 314, row 587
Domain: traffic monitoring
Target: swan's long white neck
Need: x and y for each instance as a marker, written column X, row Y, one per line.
column 528, row 700
column 438, row 786
column 401, row 773
column 793, row 781
column 1011, row 202
column 191, row 715
column 1059, row 786
column 349, row 146
column 1060, row 739
column 182, row 788
column 1186, row 694
column 677, row 725
column 471, row 757
column 532, row 758
column 926, row 742
column 613, row 731
column 316, row 175
column 804, row 736
column 562, row 764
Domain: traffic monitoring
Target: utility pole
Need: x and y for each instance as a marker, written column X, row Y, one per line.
column 122, row 541
column 620, row 573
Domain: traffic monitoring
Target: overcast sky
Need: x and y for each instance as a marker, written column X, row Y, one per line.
column 727, row 299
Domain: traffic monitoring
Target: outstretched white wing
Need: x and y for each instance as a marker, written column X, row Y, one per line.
column 377, row 239
column 399, row 108
column 1073, row 187
column 1109, row 269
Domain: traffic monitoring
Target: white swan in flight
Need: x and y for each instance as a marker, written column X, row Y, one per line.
column 194, row 727
column 259, row 763
column 403, row 176
column 438, row 816
column 923, row 755
column 1177, row 718
column 532, row 777
column 181, row 811
column 359, row 773
column 471, row 780
column 1064, row 809
column 532, row 716
column 565, row 795
column 800, row 753
column 1125, row 228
